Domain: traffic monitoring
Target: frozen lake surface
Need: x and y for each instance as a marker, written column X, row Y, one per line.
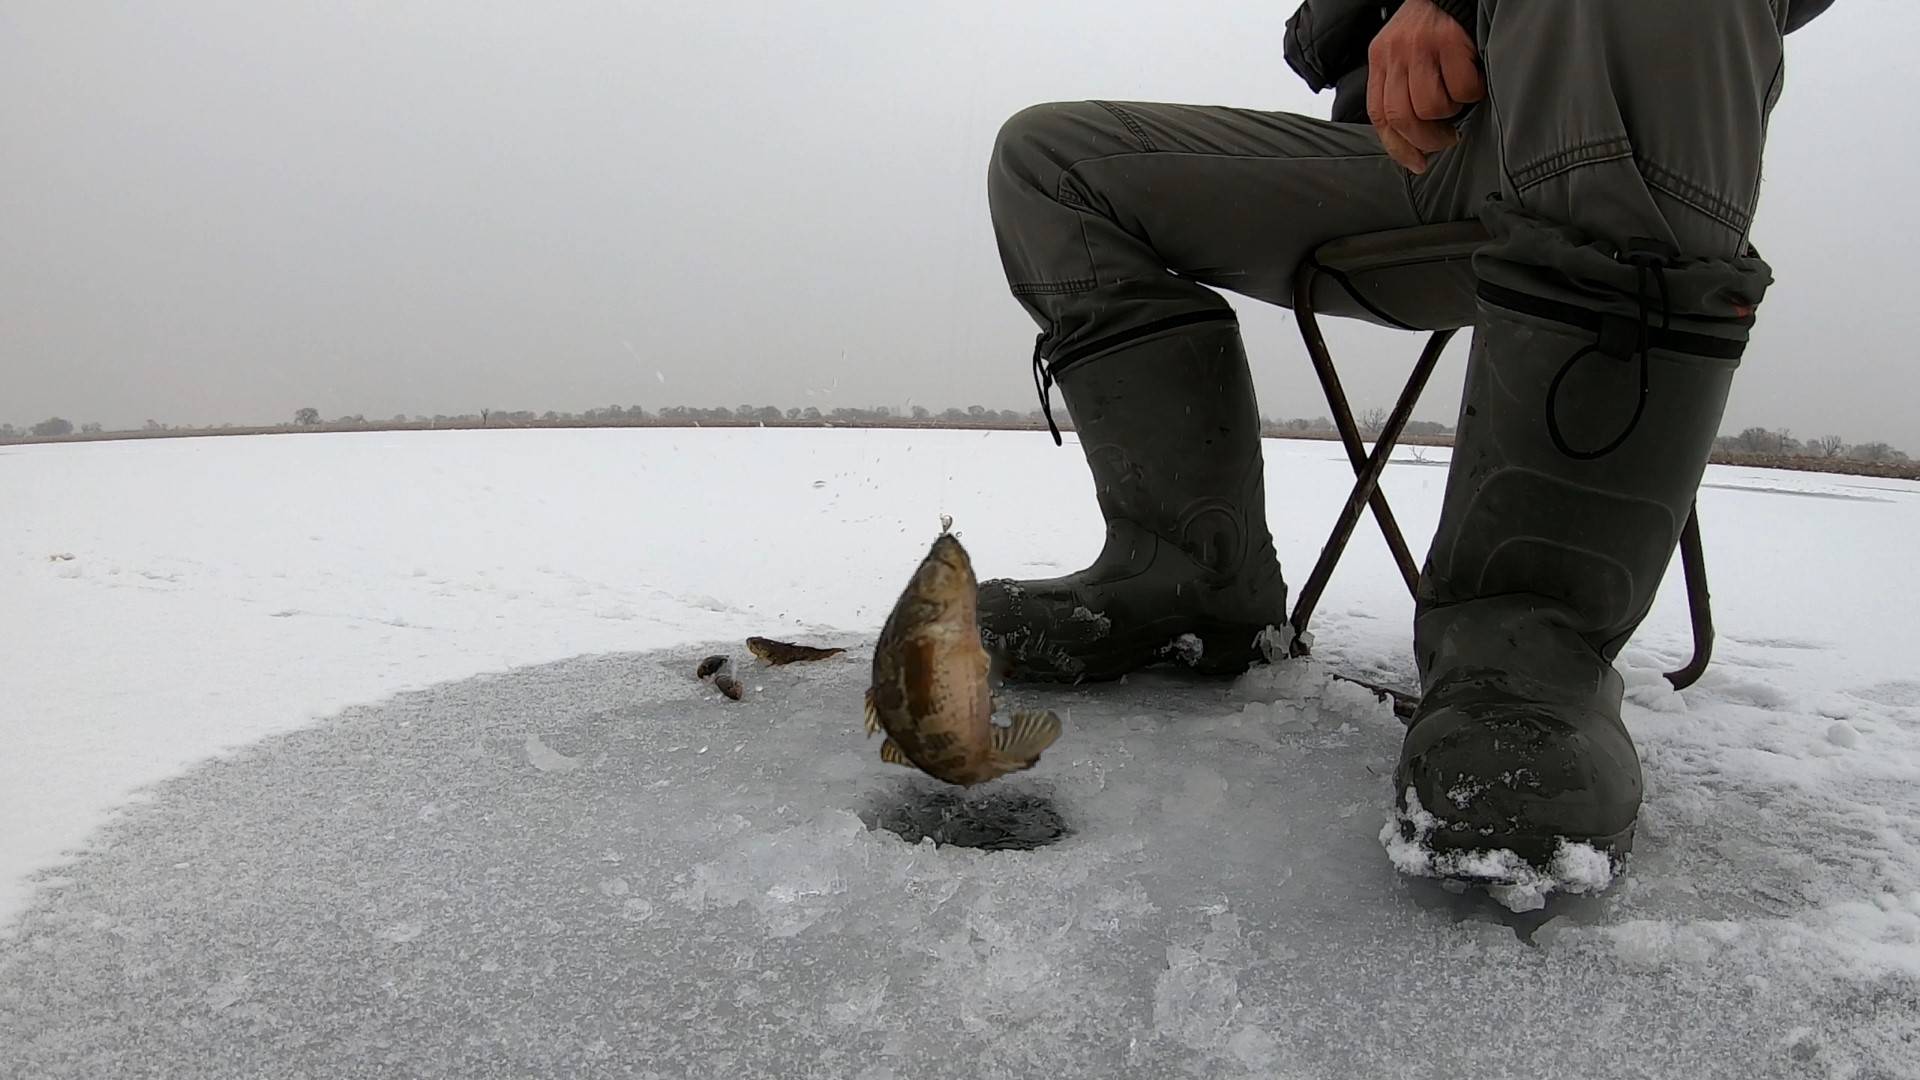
column 382, row 754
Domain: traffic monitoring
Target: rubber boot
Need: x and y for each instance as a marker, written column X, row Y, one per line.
column 1595, row 388
column 1188, row 573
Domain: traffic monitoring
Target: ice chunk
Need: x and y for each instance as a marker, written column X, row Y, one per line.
column 790, row 878
column 1195, row 999
column 1276, row 643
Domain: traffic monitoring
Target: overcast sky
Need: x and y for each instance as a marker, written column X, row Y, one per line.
column 224, row 211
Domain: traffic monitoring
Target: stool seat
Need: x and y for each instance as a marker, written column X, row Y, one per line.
column 1418, row 278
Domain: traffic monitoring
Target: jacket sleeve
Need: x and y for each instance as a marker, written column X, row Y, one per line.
column 1328, row 38
column 1803, row 12
column 1464, row 12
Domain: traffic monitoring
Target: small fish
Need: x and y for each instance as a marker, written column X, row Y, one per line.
column 783, row 652
column 710, row 665
column 729, row 685
column 931, row 692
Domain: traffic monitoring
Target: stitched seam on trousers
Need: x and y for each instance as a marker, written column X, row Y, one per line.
column 1061, row 193
column 1538, row 172
column 1498, row 134
column 1406, row 191
column 1772, row 99
column 1053, row 288
column 1086, row 244
column 1665, row 180
column 1067, row 197
column 1133, row 124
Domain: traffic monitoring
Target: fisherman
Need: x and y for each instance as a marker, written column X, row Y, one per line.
column 1613, row 149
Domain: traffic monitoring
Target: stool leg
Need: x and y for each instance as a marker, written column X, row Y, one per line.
column 1366, row 489
column 1343, row 417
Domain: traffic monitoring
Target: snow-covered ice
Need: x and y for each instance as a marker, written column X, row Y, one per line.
column 384, row 754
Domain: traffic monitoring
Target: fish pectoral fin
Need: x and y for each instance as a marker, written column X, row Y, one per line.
column 1028, row 734
column 891, row 753
column 873, row 714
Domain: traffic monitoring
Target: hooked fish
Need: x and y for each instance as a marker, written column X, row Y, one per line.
column 931, row 693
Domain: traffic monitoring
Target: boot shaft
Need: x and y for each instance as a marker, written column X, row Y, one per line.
column 1595, row 389
column 1170, row 429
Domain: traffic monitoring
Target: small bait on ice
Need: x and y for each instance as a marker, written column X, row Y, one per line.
column 785, row 652
column 718, row 669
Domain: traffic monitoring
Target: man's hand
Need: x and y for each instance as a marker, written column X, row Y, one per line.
column 1420, row 71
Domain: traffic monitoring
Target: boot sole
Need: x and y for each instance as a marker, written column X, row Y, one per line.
column 1536, row 849
column 1517, row 865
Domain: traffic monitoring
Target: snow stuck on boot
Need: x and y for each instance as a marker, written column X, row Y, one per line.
column 1186, row 649
column 1517, row 884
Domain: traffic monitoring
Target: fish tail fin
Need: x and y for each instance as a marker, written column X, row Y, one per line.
column 873, row 714
column 1018, row 745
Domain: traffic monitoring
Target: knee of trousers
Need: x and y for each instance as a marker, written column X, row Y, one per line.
column 1035, row 148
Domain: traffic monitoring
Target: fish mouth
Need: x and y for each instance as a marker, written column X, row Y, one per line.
column 946, row 574
column 947, row 552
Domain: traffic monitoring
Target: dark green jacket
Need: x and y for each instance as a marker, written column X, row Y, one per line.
column 1327, row 43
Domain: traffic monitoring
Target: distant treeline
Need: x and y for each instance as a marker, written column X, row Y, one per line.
column 1753, row 446
column 677, row 416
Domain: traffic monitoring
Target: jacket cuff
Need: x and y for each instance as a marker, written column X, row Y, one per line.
column 1464, row 12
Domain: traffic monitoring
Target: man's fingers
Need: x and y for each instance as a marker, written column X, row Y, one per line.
column 1397, row 148
column 1427, row 136
column 1428, row 91
column 1393, row 116
column 1421, row 71
column 1464, row 82
column 1431, row 136
column 1403, row 151
column 1377, row 94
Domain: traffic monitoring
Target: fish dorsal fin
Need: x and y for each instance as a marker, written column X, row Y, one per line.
column 1027, row 736
column 891, row 753
column 873, row 714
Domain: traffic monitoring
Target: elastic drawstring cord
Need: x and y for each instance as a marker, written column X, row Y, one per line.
column 1043, row 383
column 1044, row 373
column 1649, row 257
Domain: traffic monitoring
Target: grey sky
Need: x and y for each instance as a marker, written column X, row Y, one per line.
column 218, row 211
